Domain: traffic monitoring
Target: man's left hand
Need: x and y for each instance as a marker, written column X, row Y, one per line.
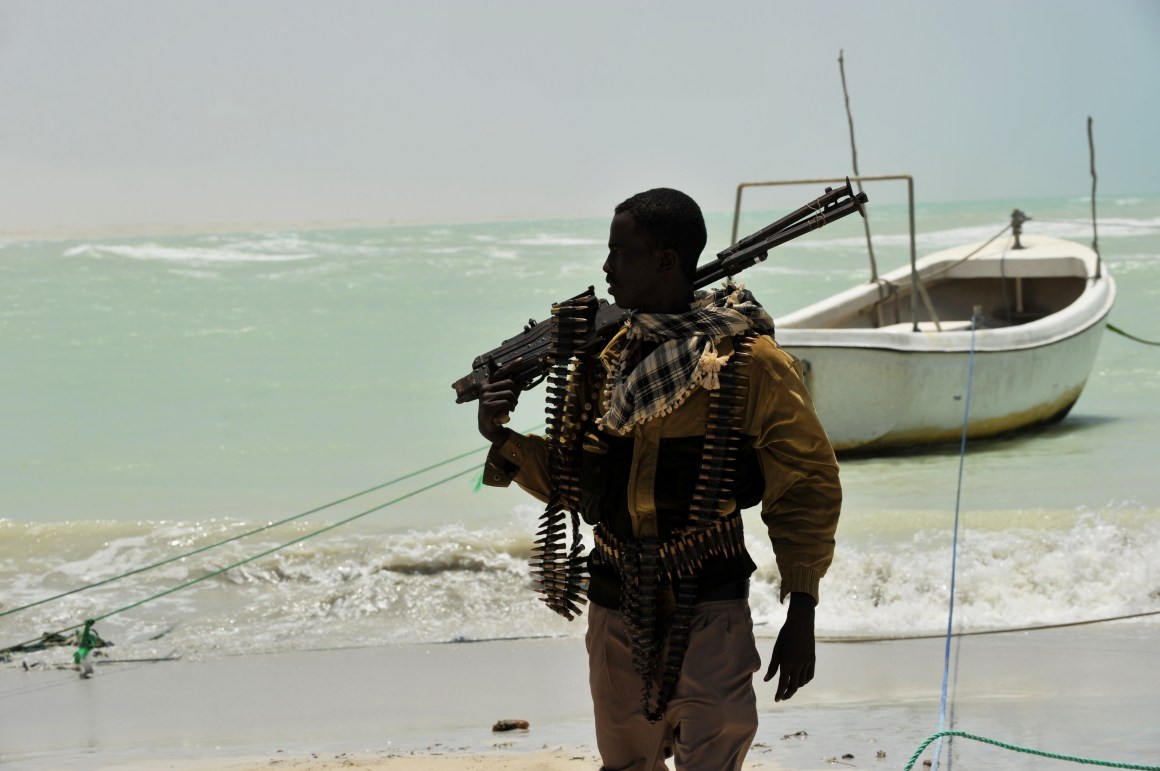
column 793, row 653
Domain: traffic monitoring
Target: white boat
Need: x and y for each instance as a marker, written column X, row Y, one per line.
column 887, row 362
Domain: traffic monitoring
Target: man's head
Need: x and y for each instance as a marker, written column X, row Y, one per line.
column 654, row 243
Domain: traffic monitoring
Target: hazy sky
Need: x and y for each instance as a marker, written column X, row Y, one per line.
column 220, row 111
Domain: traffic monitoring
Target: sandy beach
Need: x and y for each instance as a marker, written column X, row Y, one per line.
column 1092, row 692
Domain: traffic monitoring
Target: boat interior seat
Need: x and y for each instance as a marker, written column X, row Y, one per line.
column 1019, row 267
column 954, row 325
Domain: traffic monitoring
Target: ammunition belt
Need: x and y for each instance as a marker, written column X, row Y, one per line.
column 647, row 566
column 711, row 531
column 682, row 555
column 560, row 570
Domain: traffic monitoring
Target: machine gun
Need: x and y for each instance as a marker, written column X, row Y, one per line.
column 532, row 346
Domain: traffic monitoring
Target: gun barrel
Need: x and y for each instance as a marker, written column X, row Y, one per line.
column 829, row 198
column 532, row 345
column 751, row 250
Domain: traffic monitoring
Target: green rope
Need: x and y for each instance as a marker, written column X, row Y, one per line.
column 1119, row 331
column 248, row 533
column 1017, row 748
column 267, row 552
column 86, row 642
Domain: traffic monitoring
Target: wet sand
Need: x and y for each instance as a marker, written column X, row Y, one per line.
column 1093, row 692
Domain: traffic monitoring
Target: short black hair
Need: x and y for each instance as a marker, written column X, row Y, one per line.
column 673, row 219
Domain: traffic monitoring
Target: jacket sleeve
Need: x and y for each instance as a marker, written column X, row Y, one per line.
column 803, row 496
column 522, row 459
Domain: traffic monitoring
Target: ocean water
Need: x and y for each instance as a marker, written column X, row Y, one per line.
column 161, row 394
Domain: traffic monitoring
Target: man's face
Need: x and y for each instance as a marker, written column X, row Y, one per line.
column 632, row 267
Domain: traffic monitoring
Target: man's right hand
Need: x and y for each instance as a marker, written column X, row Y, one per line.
column 498, row 396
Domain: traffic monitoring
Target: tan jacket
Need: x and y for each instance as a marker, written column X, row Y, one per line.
column 802, row 497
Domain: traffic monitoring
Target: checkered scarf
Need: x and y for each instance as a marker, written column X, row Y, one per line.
column 686, row 357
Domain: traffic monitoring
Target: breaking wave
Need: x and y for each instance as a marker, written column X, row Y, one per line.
column 454, row 583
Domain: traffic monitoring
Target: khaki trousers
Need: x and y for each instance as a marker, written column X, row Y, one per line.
column 712, row 716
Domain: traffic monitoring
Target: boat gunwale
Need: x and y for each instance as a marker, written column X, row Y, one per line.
column 948, row 351
column 1090, row 308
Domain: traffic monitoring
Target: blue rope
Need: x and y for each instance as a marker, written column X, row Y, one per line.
column 942, row 711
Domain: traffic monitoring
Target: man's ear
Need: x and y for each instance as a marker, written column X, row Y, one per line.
column 668, row 259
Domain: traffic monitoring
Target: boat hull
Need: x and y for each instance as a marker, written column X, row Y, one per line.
column 892, row 386
column 925, row 399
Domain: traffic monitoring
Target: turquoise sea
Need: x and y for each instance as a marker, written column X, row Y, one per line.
column 160, row 394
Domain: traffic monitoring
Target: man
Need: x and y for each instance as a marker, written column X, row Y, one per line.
column 693, row 412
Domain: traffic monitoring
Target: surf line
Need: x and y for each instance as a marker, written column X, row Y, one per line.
column 212, row 574
column 89, row 622
column 979, row 632
column 246, row 534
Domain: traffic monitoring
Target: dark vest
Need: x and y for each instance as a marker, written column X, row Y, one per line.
column 604, row 500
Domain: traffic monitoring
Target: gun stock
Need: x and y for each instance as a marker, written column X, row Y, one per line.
column 532, row 344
